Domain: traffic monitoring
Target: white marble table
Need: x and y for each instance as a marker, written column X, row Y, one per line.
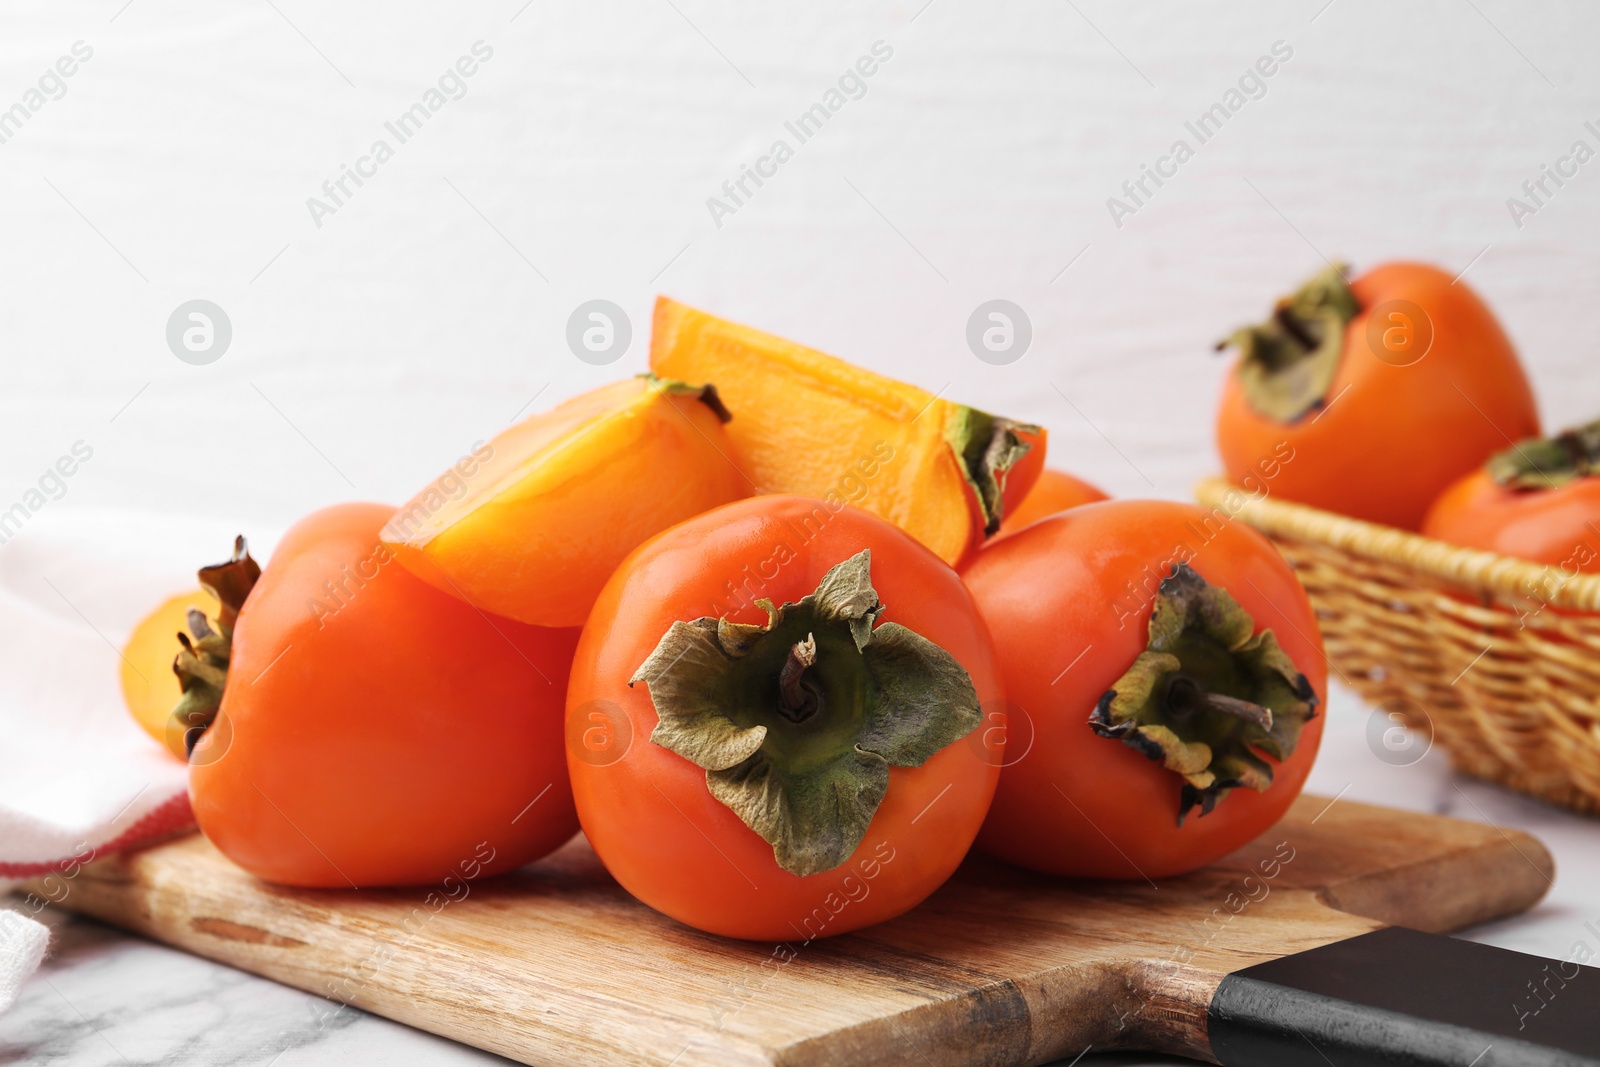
column 107, row 999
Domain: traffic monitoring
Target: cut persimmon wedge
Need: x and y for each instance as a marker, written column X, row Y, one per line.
column 818, row 426
column 533, row 523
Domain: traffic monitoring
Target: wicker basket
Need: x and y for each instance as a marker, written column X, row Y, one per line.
column 1498, row 658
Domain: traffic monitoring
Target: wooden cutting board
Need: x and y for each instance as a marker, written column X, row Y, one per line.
column 555, row 964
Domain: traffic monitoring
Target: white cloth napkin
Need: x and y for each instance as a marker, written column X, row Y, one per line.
column 78, row 777
column 22, row 945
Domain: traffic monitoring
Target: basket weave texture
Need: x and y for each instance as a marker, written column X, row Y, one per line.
column 1497, row 658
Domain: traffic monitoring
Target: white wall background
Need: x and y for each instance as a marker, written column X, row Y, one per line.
column 178, row 163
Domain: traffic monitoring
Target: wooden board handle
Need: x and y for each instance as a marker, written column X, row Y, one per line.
column 1402, row 998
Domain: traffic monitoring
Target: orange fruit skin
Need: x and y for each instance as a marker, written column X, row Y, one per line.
column 1069, row 601
column 394, row 735
column 533, row 523
column 1558, row 526
column 1388, row 439
column 149, row 688
column 1054, row 491
column 648, row 812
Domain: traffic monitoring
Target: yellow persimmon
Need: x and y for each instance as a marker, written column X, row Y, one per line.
column 149, row 686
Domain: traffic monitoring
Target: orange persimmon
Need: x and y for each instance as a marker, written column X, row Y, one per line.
column 751, row 764
column 1156, row 674
column 1538, row 500
column 1054, row 491
column 1383, row 389
column 815, row 425
column 532, row 524
column 351, row 725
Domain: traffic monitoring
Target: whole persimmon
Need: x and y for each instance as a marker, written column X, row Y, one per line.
column 1163, row 671
column 773, row 724
column 351, row 725
column 1538, row 500
column 1384, row 388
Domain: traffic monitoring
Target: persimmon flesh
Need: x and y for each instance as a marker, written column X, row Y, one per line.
column 815, row 425
column 533, row 523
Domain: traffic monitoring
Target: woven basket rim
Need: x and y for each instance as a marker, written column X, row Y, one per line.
column 1505, row 577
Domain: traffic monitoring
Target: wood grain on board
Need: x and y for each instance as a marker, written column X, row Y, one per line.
column 555, row 964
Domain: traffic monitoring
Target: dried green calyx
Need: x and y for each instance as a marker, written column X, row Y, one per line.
column 202, row 663
column 988, row 446
column 1546, row 462
column 797, row 721
column 1208, row 696
column 706, row 394
column 1287, row 363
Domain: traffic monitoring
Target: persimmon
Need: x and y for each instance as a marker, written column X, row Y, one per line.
column 1054, row 491
column 815, row 425
column 351, row 725
column 796, row 758
column 1163, row 671
column 532, row 523
column 1538, row 500
column 1384, row 389
column 149, row 686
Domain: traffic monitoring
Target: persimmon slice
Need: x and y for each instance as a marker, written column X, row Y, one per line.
column 815, row 425
column 532, row 524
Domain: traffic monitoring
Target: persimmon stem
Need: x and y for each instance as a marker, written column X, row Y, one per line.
column 202, row 660
column 1211, row 698
column 797, row 723
column 1294, row 328
column 796, row 700
column 1185, row 696
column 1287, row 363
column 1546, row 462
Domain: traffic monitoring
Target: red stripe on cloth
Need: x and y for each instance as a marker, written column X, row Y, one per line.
column 174, row 814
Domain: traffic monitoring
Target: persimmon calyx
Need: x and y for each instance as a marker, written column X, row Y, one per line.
column 988, row 446
column 1288, row 362
column 706, row 394
column 797, row 721
column 1208, row 696
column 202, row 660
column 1546, row 462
